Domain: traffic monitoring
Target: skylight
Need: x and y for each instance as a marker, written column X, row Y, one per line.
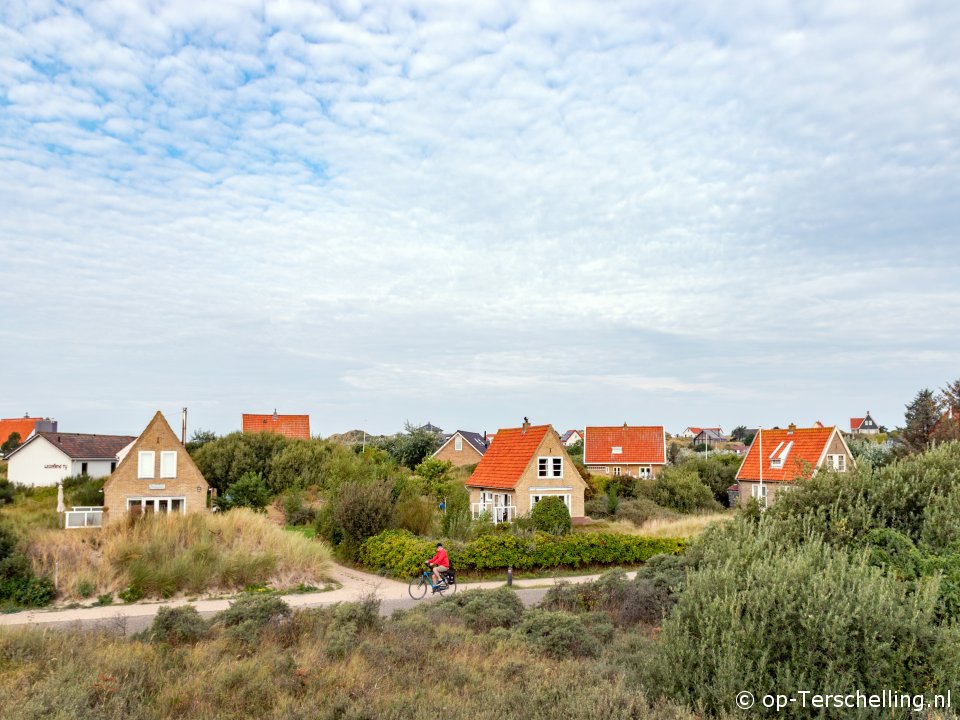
column 617, row 450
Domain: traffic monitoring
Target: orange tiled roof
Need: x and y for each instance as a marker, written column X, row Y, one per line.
column 507, row 457
column 808, row 446
column 295, row 427
column 855, row 423
column 24, row 426
column 640, row 445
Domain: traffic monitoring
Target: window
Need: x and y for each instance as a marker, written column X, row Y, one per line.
column 616, row 471
column 837, row 462
column 616, row 450
column 458, row 444
column 760, row 493
column 778, row 456
column 645, row 471
column 534, row 499
column 168, row 464
column 145, row 463
column 548, row 467
column 83, row 468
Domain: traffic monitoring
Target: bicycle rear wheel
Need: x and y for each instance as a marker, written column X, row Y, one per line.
column 418, row 588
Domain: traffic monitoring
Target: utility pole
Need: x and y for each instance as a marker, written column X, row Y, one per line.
column 183, row 432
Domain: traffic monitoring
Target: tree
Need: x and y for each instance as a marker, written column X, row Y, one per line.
column 199, row 439
column 435, row 476
column 922, row 415
column 673, row 453
column 410, row 447
column 11, row 443
column 225, row 460
column 950, row 396
column 249, row 491
column 362, row 510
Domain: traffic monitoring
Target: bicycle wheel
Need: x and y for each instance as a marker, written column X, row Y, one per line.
column 418, row 587
column 452, row 586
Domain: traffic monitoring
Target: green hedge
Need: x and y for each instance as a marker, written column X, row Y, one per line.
column 400, row 553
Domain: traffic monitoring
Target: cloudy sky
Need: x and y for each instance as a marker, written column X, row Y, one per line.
column 678, row 213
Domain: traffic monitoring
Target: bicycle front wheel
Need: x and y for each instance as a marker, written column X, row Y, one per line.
column 418, row 588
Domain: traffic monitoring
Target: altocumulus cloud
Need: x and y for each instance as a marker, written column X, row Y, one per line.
column 471, row 212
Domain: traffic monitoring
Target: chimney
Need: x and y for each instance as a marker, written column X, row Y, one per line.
column 485, row 443
column 526, row 423
column 790, row 428
column 274, row 414
column 624, row 424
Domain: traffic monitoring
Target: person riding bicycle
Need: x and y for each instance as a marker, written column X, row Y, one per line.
column 440, row 563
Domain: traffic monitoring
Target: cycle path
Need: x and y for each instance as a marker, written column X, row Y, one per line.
column 354, row 585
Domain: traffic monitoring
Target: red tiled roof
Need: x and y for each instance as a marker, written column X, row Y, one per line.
column 808, row 446
column 640, row 444
column 855, row 423
column 83, row 446
column 24, row 426
column 295, row 427
column 507, row 457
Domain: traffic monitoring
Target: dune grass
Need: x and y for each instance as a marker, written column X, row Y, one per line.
column 685, row 526
column 163, row 555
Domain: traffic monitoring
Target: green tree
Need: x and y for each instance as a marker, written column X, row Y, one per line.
column 435, row 476
column 921, row 417
column 410, row 447
column 249, row 491
column 225, row 460
column 680, row 489
column 10, row 444
column 199, row 439
column 551, row 515
column 575, row 451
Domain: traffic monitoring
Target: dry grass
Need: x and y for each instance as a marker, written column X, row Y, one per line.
column 687, row 526
column 164, row 555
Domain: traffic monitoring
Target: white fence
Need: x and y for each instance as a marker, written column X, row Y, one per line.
column 498, row 513
column 83, row 517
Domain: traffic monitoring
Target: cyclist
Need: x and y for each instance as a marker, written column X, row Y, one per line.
column 440, row 563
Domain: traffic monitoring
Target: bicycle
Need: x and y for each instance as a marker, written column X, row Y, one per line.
column 418, row 586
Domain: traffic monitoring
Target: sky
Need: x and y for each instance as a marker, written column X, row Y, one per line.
column 699, row 213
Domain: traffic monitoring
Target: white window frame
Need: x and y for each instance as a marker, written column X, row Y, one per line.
column 142, row 501
column 167, row 473
column 761, row 497
column 616, row 471
column 616, row 450
column 142, row 456
column 458, row 444
column 645, row 472
column 549, row 466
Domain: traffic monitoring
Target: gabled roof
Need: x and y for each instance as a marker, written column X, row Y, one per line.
column 569, row 433
column 508, row 456
column 804, row 449
column 639, row 444
column 855, row 423
column 24, row 426
column 82, row 446
column 295, row 427
column 710, row 434
column 476, row 441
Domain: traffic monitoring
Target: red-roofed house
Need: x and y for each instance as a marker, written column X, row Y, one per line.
column 779, row 457
column 864, row 426
column 638, row 450
column 24, row 427
column 692, row 432
column 295, row 427
column 521, row 467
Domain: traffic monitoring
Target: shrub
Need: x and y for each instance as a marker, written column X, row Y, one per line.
column 415, row 513
column 250, row 491
column 557, row 634
column 362, row 510
column 682, row 490
column 18, row 584
column 225, row 460
column 347, row 621
column 177, row 626
column 551, row 515
column 759, row 614
column 247, row 616
column 295, row 512
column 483, row 610
column 6, row 491
column 83, row 491
column 399, row 553
column 639, row 510
column 596, row 507
column 85, row 588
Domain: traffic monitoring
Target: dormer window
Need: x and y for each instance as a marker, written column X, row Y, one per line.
column 779, row 456
column 616, row 450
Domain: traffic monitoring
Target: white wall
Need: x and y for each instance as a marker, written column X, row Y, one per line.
column 41, row 463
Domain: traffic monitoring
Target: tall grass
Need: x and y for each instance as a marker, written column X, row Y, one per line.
column 162, row 555
column 686, row 526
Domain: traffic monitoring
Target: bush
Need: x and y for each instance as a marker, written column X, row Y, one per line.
column 83, row 491
column 557, row 634
column 18, row 584
column 177, row 626
column 415, row 513
column 247, row 616
column 6, row 491
column 399, row 553
column 362, row 510
column 639, row 510
column 682, row 490
column 295, row 512
column 225, row 460
column 483, row 610
column 347, row 621
column 551, row 515
column 250, row 491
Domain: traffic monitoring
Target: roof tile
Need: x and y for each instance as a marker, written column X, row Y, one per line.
column 507, row 457
column 295, row 427
column 808, row 446
column 641, row 444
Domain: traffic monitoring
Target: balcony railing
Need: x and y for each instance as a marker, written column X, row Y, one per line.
column 498, row 513
column 83, row 517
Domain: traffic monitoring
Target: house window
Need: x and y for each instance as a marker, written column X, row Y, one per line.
column 616, row 450
column 534, row 499
column 645, row 471
column 779, row 456
column 83, row 468
column 145, row 464
column 837, row 462
column 458, row 444
column 168, row 464
column 158, row 505
column 759, row 492
column 550, row 467
column 616, row 471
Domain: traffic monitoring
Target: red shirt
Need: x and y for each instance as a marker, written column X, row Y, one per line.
column 440, row 558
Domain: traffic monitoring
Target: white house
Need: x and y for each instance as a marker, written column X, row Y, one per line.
column 48, row 457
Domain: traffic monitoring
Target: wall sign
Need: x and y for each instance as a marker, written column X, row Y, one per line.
column 157, row 486
column 54, row 467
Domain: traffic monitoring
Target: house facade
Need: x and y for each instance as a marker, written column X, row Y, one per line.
column 708, row 436
column 46, row 458
column 864, row 426
column 521, row 467
column 691, row 432
column 779, row 457
column 157, row 475
column 636, row 450
column 571, row 437
column 294, row 427
column 463, row 448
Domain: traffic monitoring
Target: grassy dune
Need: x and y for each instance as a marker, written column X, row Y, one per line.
column 686, row 526
column 160, row 556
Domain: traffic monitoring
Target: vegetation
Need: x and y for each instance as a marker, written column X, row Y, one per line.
column 250, row 491
column 551, row 515
column 682, row 490
column 19, row 585
column 160, row 556
column 11, row 443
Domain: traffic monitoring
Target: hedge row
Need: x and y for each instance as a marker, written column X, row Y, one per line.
column 402, row 554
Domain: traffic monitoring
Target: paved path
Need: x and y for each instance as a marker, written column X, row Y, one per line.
column 355, row 585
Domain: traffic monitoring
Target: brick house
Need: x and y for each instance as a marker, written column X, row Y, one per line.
column 157, row 474
column 521, row 467
column 779, row 457
column 295, row 427
column 463, row 448
column 637, row 450
column 864, row 425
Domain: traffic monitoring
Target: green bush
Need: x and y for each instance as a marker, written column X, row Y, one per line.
column 551, row 515
column 347, row 621
column 763, row 616
column 249, row 491
column 177, row 626
column 557, row 634
column 415, row 513
column 682, row 490
column 639, row 510
column 6, row 491
column 19, row 586
column 294, row 510
column 361, row 510
column 399, row 553
column 247, row 616
column 483, row 610
column 82, row 490
column 225, row 460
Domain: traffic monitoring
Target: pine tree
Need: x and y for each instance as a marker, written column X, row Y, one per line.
column 921, row 416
